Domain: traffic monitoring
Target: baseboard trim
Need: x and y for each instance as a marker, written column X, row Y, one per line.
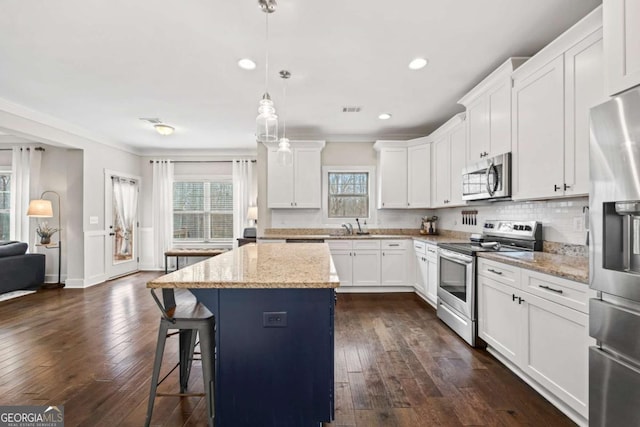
column 74, row 283
column 374, row 289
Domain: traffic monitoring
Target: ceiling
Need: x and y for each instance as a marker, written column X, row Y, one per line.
column 102, row 65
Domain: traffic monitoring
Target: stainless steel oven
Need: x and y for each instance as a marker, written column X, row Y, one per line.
column 457, row 270
column 488, row 179
column 456, row 292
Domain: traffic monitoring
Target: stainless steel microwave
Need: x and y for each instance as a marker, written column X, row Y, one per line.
column 488, row 179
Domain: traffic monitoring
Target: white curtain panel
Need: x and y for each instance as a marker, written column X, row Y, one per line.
column 162, row 205
column 245, row 190
column 125, row 195
column 25, row 185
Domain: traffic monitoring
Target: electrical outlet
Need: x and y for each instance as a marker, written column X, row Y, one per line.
column 93, row 220
column 274, row 319
column 578, row 223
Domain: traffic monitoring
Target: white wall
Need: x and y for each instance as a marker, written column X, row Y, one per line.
column 5, row 158
column 562, row 219
column 341, row 154
column 84, row 168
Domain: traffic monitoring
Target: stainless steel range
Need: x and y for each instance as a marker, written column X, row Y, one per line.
column 457, row 270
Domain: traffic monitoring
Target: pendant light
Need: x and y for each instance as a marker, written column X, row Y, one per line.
column 267, row 120
column 285, row 157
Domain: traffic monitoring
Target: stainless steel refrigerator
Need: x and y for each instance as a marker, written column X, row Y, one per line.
column 614, row 202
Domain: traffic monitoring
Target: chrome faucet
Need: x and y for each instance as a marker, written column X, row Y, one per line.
column 348, row 227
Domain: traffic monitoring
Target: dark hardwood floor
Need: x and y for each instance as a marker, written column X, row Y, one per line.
column 396, row 363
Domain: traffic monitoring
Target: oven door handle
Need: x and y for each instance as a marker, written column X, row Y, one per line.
column 459, row 259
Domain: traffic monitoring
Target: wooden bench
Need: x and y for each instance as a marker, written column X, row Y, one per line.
column 189, row 252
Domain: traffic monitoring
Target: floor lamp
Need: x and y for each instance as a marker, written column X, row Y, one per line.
column 41, row 208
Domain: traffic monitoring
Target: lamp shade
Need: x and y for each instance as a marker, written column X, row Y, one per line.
column 252, row 213
column 40, row 208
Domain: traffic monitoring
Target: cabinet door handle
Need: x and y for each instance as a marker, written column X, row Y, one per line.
column 382, row 253
column 494, row 271
column 559, row 291
column 566, row 187
column 520, row 300
column 556, row 187
column 408, row 204
column 382, row 203
column 513, row 297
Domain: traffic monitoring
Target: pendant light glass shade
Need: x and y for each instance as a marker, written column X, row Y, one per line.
column 267, row 121
column 285, row 156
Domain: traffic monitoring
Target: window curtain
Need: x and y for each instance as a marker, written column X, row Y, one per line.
column 125, row 196
column 162, row 204
column 245, row 192
column 25, row 185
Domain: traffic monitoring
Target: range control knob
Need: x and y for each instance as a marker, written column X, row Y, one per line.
column 527, row 228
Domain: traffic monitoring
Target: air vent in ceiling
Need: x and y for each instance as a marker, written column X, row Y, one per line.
column 351, row 109
column 154, row 121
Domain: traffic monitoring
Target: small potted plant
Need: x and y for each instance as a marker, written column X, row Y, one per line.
column 45, row 232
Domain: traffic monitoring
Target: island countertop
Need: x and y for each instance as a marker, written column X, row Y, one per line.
column 259, row 266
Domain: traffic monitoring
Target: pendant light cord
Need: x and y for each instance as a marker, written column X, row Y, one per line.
column 266, row 61
column 284, row 109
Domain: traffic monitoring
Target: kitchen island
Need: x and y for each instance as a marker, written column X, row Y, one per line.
column 274, row 309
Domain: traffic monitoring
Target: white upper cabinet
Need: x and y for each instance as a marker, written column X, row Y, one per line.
column 297, row 185
column 404, row 174
column 551, row 98
column 489, row 114
column 448, row 161
column 392, row 177
column 419, row 174
column 622, row 44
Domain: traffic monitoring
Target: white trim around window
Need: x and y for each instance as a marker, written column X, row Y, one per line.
column 371, row 170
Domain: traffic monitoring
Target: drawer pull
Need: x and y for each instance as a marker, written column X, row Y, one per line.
column 559, row 291
column 432, row 251
column 494, row 271
column 394, row 244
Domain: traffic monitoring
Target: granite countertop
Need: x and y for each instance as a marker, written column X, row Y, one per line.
column 568, row 267
column 302, row 234
column 253, row 266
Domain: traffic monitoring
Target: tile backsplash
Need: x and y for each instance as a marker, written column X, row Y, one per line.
column 562, row 219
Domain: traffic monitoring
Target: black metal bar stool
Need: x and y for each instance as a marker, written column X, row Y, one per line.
column 189, row 320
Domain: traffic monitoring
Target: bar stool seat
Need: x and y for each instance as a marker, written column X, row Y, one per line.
column 188, row 320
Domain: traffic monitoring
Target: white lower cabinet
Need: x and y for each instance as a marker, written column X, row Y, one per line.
column 370, row 263
column 393, row 263
column 543, row 336
column 499, row 317
column 426, row 271
column 366, row 267
column 342, row 259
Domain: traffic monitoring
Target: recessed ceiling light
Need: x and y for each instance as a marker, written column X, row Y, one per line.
column 418, row 63
column 246, row 64
column 384, row 116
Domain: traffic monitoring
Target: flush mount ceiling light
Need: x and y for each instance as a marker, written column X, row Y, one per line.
column 384, row 116
column 247, row 64
column 164, row 129
column 161, row 127
column 267, row 120
column 285, row 156
column 418, row 63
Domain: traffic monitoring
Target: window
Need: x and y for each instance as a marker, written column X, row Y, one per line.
column 203, row 210
column 5, row 204
column 348, row 195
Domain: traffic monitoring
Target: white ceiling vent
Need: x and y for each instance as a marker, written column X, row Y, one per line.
column 351, row 109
